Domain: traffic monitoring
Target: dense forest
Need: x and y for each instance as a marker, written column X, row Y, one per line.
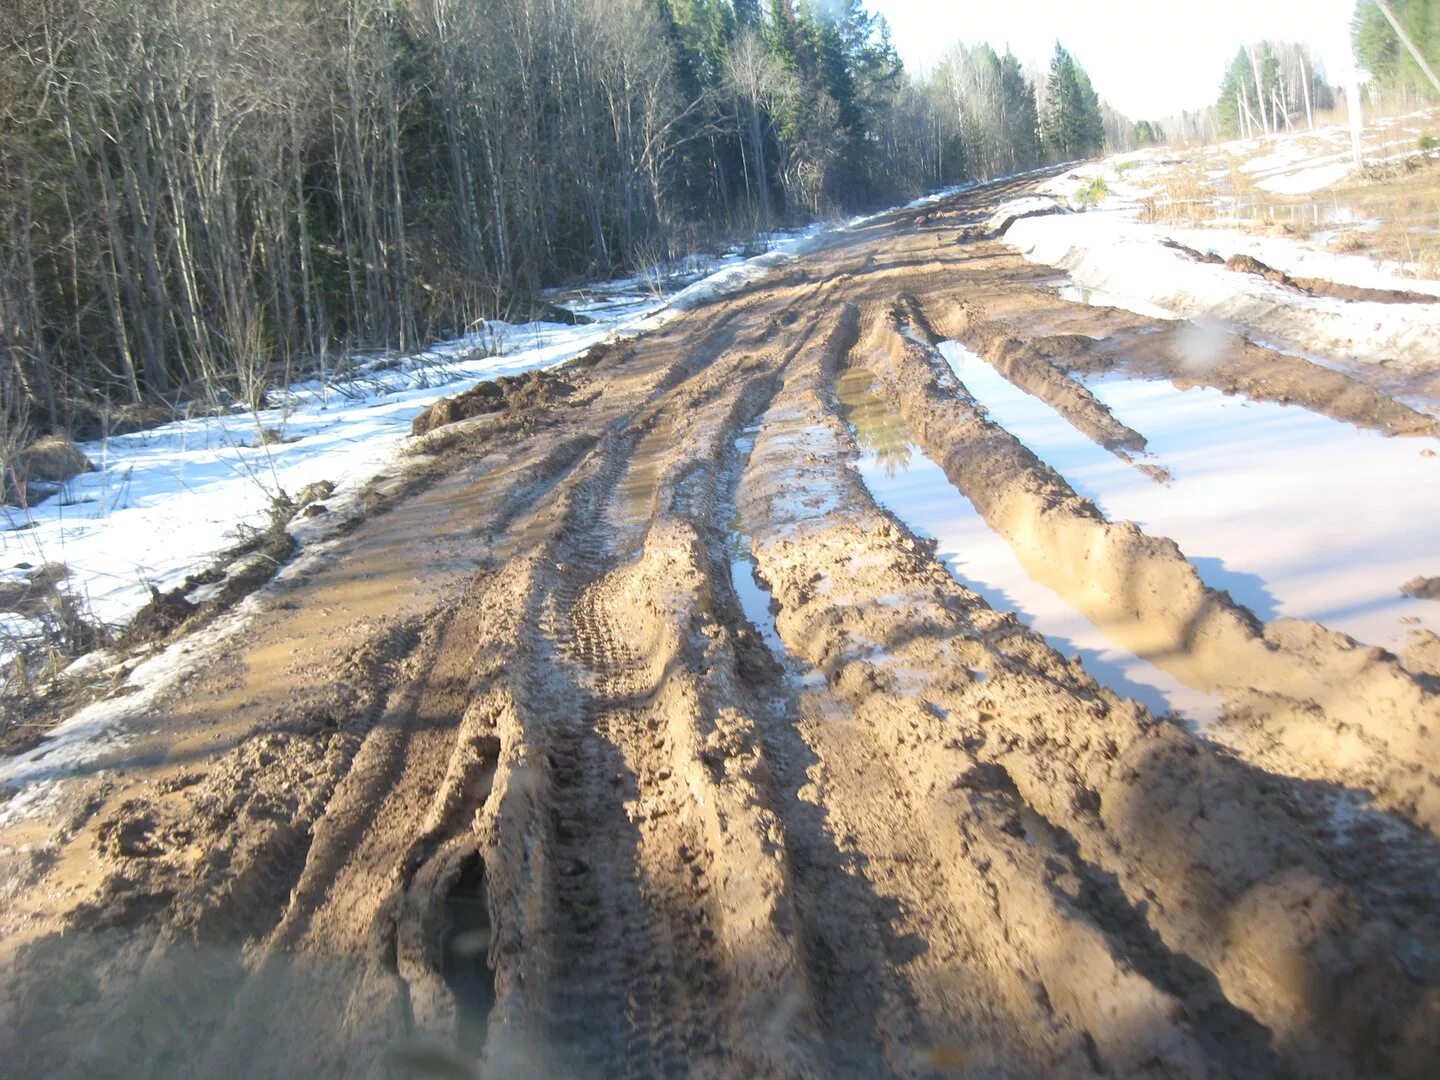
column 197, row 194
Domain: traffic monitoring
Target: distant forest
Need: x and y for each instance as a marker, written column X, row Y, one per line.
column 197, row 196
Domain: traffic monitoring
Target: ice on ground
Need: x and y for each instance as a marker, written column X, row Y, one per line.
column 1292, row 513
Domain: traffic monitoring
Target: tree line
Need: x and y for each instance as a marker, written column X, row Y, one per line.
column 1270, row 87
column 195, row 194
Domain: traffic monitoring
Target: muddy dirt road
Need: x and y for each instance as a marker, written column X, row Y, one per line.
column 640, row 739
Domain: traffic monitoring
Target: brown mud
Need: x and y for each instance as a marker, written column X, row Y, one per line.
column 1307, row 286
column 504, row 783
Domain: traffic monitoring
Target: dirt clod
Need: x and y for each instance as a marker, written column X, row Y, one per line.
column 1422, row 588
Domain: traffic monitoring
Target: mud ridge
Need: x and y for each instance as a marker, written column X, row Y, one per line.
column 1029, row 369
column 1212, row 356
column 503, row 781
column 1332, row 709
column 1308, row 286
column 994, row 878
column 1118, row 798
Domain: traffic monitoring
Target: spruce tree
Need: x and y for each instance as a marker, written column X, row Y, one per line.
column 1070, row 123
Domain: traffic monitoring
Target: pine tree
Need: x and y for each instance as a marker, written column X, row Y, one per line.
column 1070, row 122
column 747, row 13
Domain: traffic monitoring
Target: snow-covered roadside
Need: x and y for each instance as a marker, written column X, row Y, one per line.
column 163, row 502
column 1123, row 261
column 1108, row 251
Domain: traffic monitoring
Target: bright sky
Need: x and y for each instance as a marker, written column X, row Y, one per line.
column 1148, row 58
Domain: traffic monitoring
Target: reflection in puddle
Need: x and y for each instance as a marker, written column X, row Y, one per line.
column 1080, row 294
column 466, row 961
column 879, row 429
column 917, row 491
column 754, row 597
column 1294, row 514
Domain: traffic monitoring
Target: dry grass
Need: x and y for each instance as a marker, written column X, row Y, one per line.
column 1183, row 197
column 1349, row 242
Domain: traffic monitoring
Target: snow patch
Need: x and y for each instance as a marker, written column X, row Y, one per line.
column 1108, row 251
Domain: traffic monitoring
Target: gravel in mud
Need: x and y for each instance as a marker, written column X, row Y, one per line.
column 504, row 782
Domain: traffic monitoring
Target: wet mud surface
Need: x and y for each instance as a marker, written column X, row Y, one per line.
column 648, row 740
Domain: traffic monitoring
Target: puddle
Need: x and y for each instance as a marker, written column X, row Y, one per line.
column 466, row 964
column 1080, row 294
column 915, row 489
column 1292, row 513
column 1312, row 216
column 755, row 600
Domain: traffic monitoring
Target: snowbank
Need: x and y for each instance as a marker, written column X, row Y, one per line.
column 1116, row 259
column 1108, row 251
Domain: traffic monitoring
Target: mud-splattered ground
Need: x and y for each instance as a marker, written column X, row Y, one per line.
column 508, row 783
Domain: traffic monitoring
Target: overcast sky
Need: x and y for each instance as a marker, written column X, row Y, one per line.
column 1148, row 58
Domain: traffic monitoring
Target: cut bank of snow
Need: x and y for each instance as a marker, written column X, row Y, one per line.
column 1292, row 513
column 1302, row 260
column 1026, row 206
column 1108, row 251
column 1111, row 253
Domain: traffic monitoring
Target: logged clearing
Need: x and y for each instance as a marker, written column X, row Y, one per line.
column 639, row 736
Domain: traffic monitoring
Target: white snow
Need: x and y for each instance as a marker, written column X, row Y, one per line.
column 1305, row 181
column 1108, row 252
column 164, row 502
column 1303, row 260
column 1121, row 261
column 1026, row 206
column 1294, row 514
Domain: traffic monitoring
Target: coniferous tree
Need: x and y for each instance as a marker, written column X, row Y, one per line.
column 1379, row 49
column 1070, row 122
column 194, row 196
column 1271, row 86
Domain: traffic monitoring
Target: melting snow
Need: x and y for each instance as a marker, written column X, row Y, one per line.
column 163, row 502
